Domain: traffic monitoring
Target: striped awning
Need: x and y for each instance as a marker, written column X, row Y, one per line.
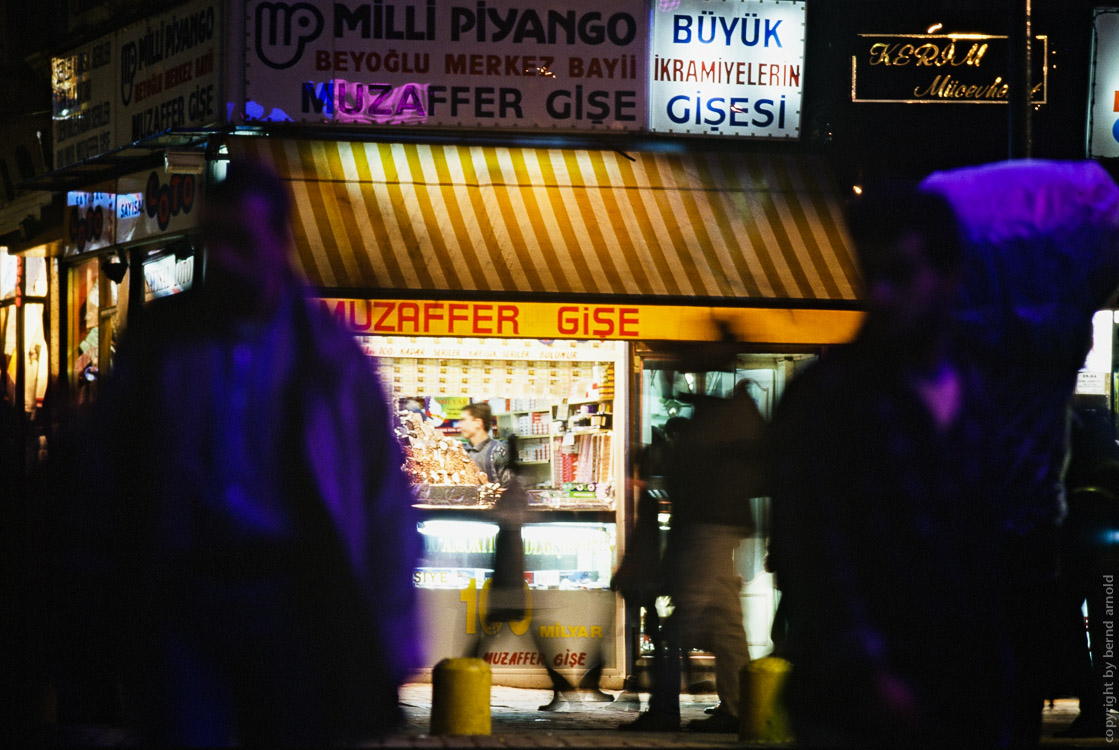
column 408, row 216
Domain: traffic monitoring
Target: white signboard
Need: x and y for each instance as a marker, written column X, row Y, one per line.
column 727, row 68
column 156, row 75
column 154, row 203
column 166, row 275
column 561, row 64
column 82, row 87
column 168, row 71
column 1103, row 109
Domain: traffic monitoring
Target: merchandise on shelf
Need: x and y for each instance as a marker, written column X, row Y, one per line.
column 433, row 460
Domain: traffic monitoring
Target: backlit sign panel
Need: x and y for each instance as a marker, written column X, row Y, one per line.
column 564, row 65
column 727, row 68
column 1103, row 108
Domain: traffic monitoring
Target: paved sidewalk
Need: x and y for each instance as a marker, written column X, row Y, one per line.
column 517, row 723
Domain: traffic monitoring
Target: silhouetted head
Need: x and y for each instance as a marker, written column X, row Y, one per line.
column 245, row 226
column 910, row 249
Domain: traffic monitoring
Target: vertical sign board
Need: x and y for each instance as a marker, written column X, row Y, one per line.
column 561, row 64
column 81, row 107
column 156, row 75
column 168, row 72
column 727, row 68
column 1103, row 103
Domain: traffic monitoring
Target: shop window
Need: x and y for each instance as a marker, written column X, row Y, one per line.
column 9, row 275
column 85, row 351
column 24, row 284
column 36, row 365
column 666, row 394
column 36, row 277
column 8, row 346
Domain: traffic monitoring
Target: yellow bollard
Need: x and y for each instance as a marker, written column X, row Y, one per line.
column 460, row 699
column 763, row 715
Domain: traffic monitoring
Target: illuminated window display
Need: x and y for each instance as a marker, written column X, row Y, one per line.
column 23, row 290
column 556, row 401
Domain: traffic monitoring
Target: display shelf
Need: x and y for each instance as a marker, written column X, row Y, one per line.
column 536, row 514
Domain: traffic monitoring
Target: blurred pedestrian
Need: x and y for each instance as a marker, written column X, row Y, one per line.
column 263, row 534
column 714, row 470
column 498, row 461
column 639, row 577
column 882, row 515
column 1089, row 554
column 1042, row 257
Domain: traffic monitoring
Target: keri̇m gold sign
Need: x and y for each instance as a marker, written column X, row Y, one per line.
column 941, row 69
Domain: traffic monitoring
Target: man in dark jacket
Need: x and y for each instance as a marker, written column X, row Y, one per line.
column 883, row 513
column 713, row 471
column 262, row 535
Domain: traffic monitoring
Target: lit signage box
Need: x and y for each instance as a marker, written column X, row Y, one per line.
column 553, row 320
column 90, row 221
column 1103, row 107
column 727, row 68
column 941, row 69
column 561, row 65
column 165, row 275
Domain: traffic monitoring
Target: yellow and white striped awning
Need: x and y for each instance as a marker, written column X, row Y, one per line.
column 407, row 216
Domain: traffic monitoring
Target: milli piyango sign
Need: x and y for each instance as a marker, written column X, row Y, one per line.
column 941, row 68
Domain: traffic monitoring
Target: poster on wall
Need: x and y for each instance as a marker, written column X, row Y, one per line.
column 563, row 65
column 156, row 75
column 727, row 68
column 1103, row 107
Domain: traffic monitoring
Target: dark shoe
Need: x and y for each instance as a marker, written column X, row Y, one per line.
column 712, row 709
column 720, row 721
column 653, row 721
column 559, row 702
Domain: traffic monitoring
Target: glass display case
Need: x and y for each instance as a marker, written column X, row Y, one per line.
column 570, row 617
column 555, row 403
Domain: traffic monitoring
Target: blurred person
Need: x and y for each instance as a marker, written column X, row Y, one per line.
column 714, row 469
column 1042, row 257
column 639, row 577
column 1089, row 553
column 882, row 514
column 498, row 461
column 263, row 535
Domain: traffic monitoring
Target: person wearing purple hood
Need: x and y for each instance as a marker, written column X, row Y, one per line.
column 1042, row 256
column 260, row 531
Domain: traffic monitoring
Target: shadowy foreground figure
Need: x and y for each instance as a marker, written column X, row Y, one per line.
column 1043, row 256
column 887, row 530
column 262, row 534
